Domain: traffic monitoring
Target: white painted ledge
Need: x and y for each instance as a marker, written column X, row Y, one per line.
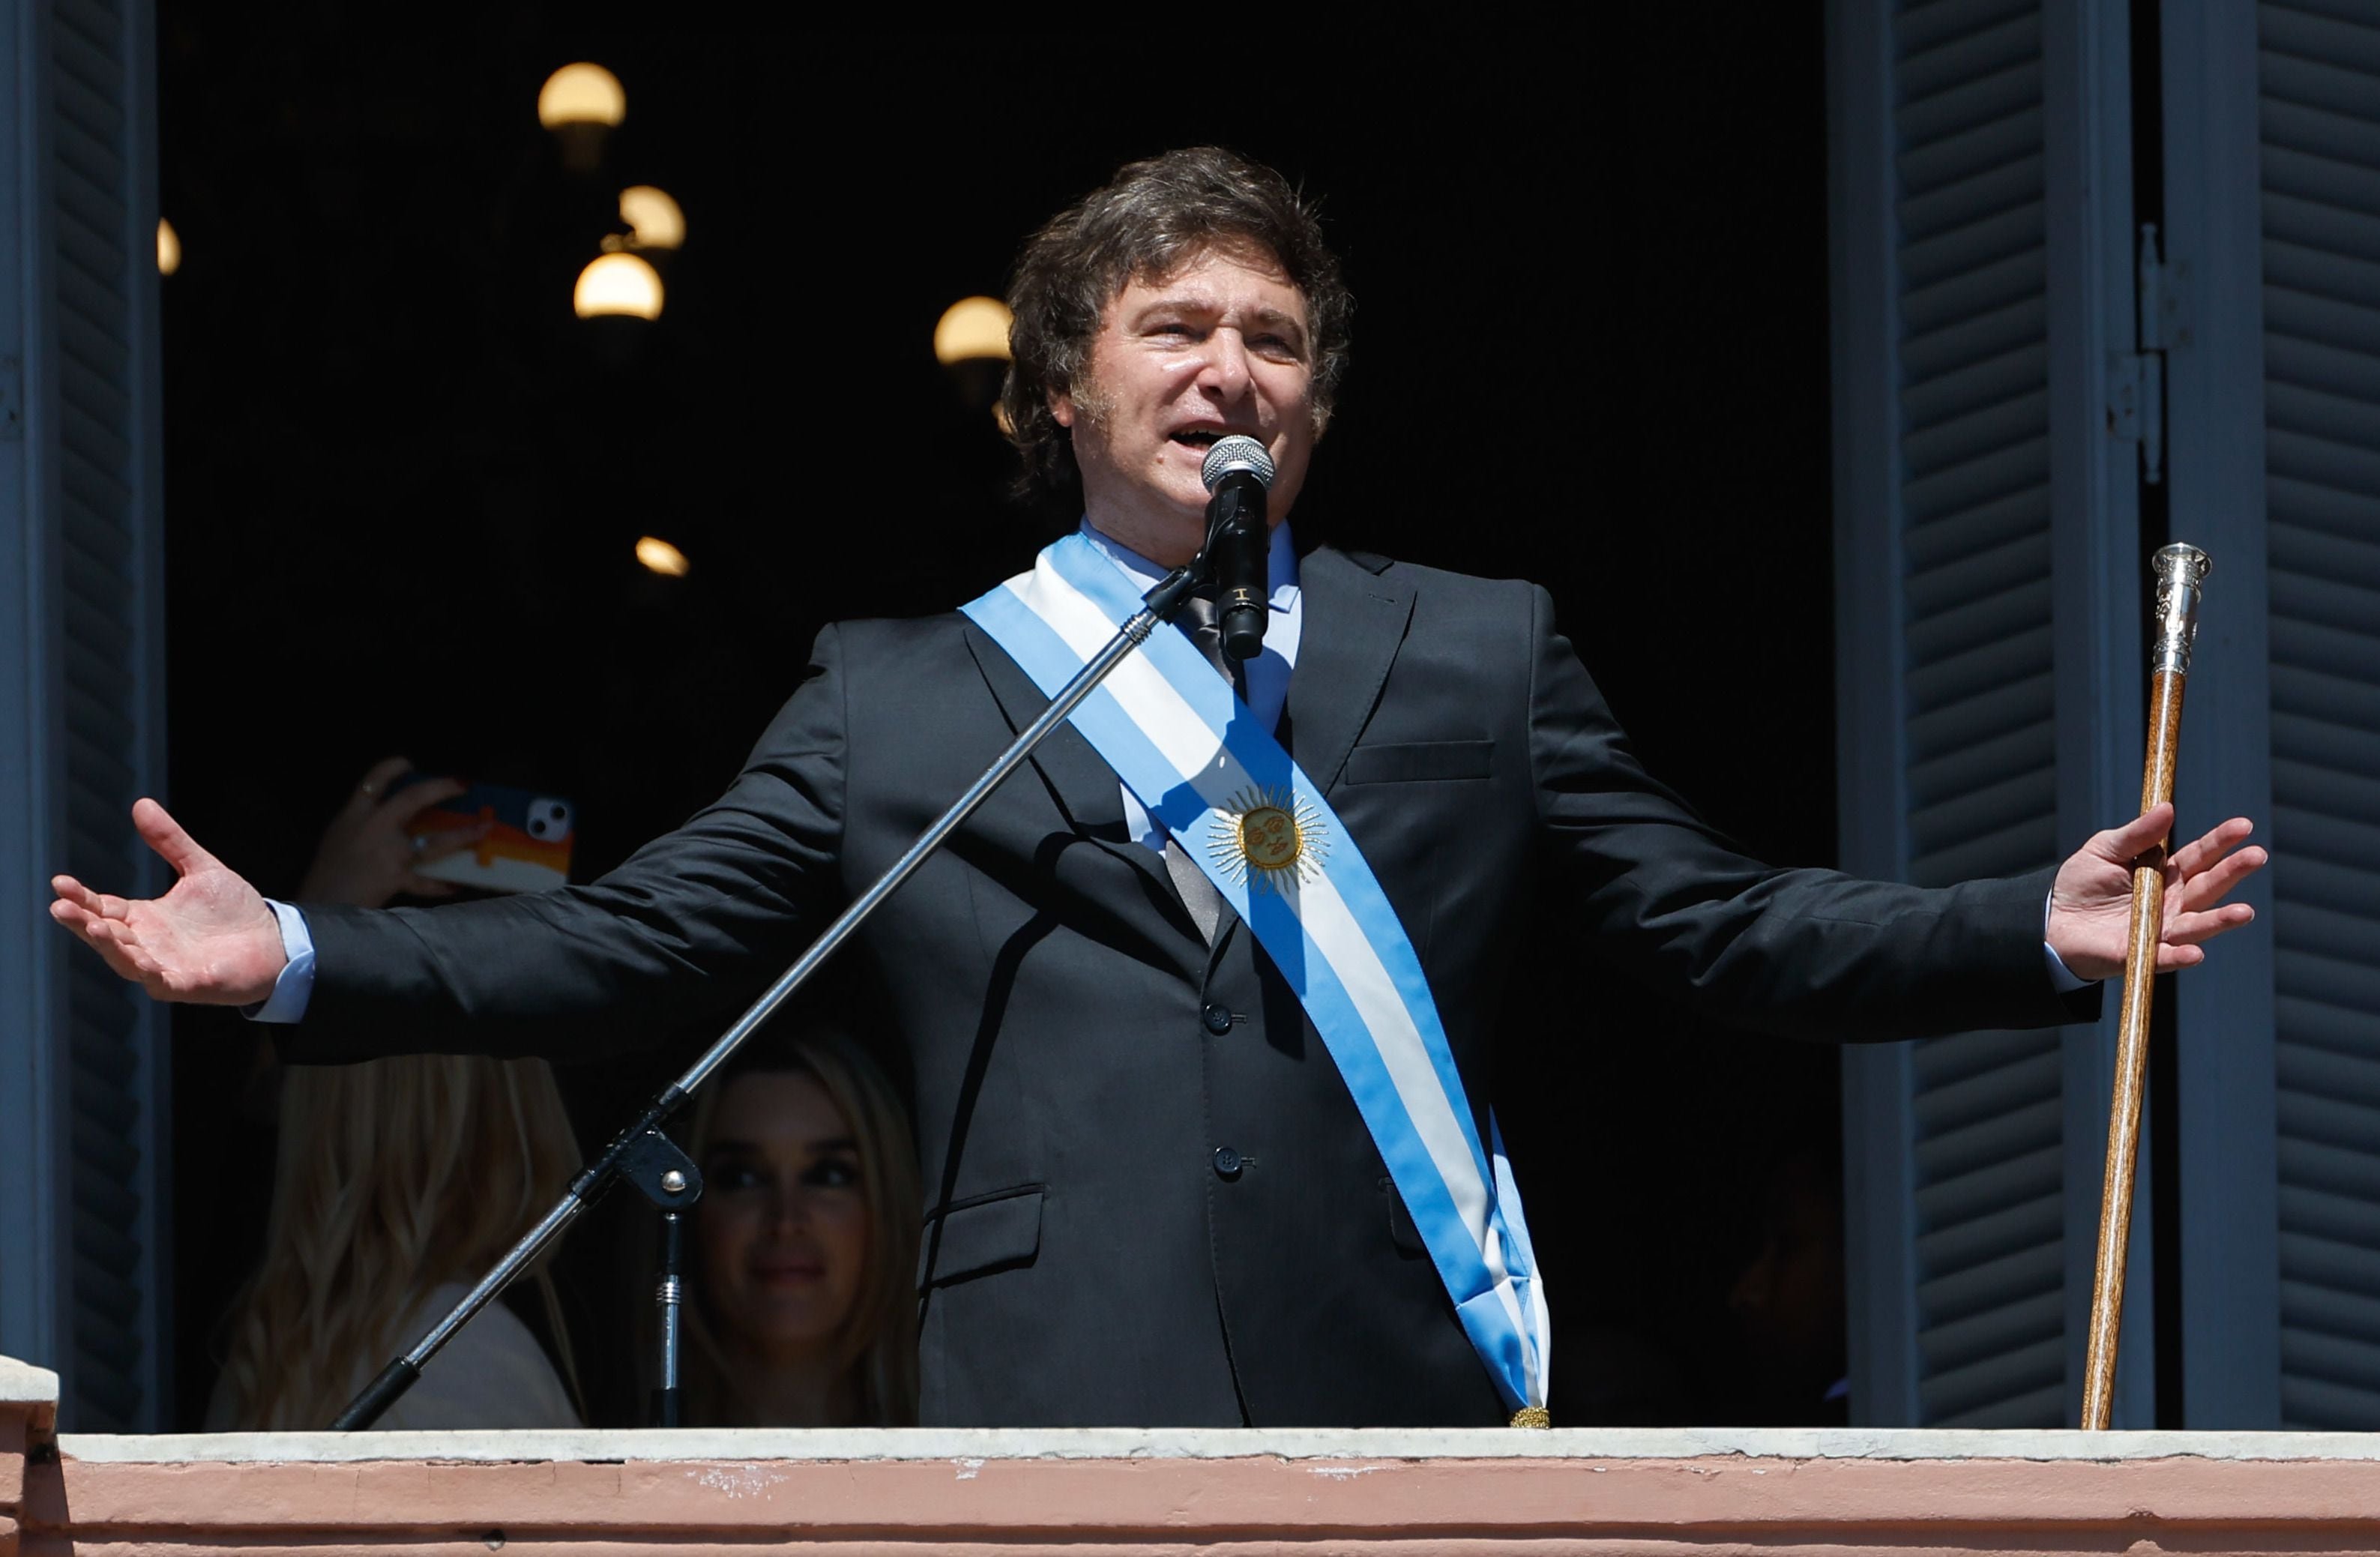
column 23, row 1384
column 29, row 1393
column 980, row 1444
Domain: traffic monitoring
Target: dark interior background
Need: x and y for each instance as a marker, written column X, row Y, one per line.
column 404, row 480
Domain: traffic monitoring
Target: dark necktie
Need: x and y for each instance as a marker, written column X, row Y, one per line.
column 1199, row 893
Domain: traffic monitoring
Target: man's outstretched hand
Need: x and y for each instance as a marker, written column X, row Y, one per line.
column 210, row 941
column 2091, row 901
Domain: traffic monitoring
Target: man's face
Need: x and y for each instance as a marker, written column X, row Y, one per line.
column 1221, row 345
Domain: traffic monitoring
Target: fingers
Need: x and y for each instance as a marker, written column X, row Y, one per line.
column 2211, row 884
column 123, row 948
column 120, row 951
column 418, row 798
column 2126, row 844
column 438, row 845
column 374, row 784
column 165, row 835
column 2194, row 929
column 2182, row 943
column 98, row 904
column 75, row 918
column 2213, row 845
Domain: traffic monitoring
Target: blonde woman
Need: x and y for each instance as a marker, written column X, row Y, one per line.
column 805, row 1308
column 399, row 1183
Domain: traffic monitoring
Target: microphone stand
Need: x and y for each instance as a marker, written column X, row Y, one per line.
column 647, row 1156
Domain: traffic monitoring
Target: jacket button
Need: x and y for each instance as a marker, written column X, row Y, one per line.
column 1227, row 1162
column 1216, row 1020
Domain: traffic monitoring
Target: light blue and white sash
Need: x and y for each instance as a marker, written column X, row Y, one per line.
column 1187, row 745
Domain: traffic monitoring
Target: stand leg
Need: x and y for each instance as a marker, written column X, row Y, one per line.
column 668, row 1297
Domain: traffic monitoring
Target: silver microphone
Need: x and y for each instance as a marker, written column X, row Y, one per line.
column 1237, row 453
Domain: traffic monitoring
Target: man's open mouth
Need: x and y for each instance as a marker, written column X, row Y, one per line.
column 1198, row 437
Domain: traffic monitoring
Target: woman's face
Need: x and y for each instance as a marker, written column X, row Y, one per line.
column 783, row 1222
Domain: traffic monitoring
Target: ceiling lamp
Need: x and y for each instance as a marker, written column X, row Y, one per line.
column 654, row 220
column 580, row 104
column 169, row 248
column 971, row 343
column 973, row 330
column 661, row 557
column 618, row 284
column 581, row 94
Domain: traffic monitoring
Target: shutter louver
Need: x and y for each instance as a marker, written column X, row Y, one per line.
column 1981, row 776
column 97, row 233
column 2320, row 111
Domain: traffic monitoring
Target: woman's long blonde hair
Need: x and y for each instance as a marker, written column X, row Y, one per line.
column 879, row 1342
column 395, row 1177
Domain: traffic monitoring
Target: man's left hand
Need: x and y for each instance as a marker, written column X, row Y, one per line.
column 2091, row 901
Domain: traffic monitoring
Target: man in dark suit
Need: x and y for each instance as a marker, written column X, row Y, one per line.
column 1150, row 1197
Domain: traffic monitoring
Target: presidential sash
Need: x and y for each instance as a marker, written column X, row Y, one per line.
column 1258, row 827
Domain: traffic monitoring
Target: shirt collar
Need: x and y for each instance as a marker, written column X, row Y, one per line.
column 1280, row 564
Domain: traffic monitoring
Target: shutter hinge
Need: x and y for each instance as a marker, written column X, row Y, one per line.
column 2165, row 296
column 2136, row 379
column 12, row 400
column 2136, row 407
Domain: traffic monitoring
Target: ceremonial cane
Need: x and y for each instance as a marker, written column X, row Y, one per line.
column 2179, row 571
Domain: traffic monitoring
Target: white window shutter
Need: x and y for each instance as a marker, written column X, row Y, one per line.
column 1987, row 603
column 83, row 1090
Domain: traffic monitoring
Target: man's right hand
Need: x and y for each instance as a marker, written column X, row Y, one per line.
column 210, row 941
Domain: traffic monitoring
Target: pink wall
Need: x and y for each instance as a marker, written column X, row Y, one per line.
column 1097, row 1493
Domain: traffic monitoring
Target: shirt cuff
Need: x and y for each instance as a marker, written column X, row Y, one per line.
column 296, row 985
column 2062, row 977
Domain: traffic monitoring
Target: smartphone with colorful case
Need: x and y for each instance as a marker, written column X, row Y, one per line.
column 527, row 847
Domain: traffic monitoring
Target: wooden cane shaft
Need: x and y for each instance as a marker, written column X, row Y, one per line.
column 2131, row 1062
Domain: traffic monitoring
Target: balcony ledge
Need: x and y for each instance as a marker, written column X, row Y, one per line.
column 1122, row 1492
column 1419, row 1444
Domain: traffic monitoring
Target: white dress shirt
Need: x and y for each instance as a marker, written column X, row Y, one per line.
column 1268, row 674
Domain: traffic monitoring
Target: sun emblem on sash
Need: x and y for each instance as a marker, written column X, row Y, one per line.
column 1268, row 837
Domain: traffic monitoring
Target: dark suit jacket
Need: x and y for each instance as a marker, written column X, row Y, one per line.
column 1086, row 1260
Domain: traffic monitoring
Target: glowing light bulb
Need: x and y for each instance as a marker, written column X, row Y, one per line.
column 662, row 557
column 581, row 94
column 169, row 248
column 653, row 218
column 973, row 330
column 618, row 284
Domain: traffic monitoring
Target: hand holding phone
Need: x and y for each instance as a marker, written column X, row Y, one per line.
column 522, row 845
column 368, row 854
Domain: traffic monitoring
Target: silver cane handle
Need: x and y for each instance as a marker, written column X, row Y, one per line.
column 2180, row 572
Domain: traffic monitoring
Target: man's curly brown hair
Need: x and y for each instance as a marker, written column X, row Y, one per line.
column 1153, row 217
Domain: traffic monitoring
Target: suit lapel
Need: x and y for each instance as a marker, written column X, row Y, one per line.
column 1354, row 621
column 1086, row 790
